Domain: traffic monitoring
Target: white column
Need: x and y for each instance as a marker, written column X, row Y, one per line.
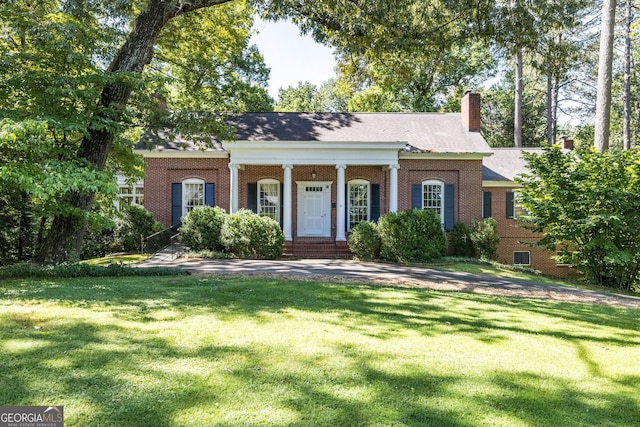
column 341, row 203
column 393, row 187
column 233, row 197
column 287, row 205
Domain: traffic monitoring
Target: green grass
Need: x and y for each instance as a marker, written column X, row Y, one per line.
column 181, row 351
column 117, row 259
column 486, row 269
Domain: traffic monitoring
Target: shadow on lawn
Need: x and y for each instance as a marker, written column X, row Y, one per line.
column 124, row 375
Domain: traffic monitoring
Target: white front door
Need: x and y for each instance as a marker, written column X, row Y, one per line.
column 314, row 209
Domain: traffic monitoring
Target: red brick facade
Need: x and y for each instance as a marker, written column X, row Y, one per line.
column 513, row 238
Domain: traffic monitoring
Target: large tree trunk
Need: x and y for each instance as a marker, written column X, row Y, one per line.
column 65, row 235
column 517, row 120
column 550, row 130
column 626, row 127
column 605, row 63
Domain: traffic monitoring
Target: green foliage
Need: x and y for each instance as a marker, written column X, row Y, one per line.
column 485, row 238
column 587, row 205
column 248, row 235
column 306, row 97
column 461, row 241
column 26, row 270
column 411, row 235
column 99, row 240
column 17, row 230
column 498, row 114
column 136, row 223
column 201, row 228
column 364, row 240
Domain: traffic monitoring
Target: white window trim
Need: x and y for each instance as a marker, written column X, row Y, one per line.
column 514, row 257
column 358, row 182
column 137, row 191
column 441, row 184
column 184, row 193
column 270, row 181
column 517, row 206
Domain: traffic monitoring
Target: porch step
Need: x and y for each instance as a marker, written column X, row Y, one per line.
column 321, row 248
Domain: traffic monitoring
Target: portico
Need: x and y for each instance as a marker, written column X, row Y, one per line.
column 313, row 197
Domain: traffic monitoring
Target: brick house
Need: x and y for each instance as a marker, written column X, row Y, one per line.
column 319, row 174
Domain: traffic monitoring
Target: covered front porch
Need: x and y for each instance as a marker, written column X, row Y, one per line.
column 314, row 181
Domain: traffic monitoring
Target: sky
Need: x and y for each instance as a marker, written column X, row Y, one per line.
column 292, row 58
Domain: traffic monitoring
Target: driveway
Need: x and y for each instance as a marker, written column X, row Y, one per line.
column 390, row 274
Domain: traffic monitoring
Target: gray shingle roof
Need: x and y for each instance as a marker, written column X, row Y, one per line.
column 423, row 132
column 505, row 164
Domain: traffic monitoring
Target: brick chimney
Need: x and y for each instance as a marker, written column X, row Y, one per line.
column 566, row 143
column 470, row 110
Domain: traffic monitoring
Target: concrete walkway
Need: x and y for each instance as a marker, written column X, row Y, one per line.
column 386, row 274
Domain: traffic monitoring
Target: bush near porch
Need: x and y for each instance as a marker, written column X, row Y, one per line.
column 411, row 235
column 243, row 234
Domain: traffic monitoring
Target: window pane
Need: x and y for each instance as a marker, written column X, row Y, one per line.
column 358, row 204
column 432, row 197
column 521, row 258
column 194, row 196
column 269, row 203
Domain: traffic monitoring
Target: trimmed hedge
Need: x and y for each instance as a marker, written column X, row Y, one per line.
column 411, row 235
column 25, row 270
column 461, row 243
column 364, row 241
column 201, row 228
column 136, row 222
column 248, row 235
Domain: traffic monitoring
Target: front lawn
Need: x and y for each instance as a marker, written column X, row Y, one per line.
column 181, row 351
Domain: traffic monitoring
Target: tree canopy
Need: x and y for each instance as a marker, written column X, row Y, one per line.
column 587, row 204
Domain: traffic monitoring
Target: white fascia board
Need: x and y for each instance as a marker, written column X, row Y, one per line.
column 500, row 184
column 183, row 154
column 443, row 156
column 314, row 153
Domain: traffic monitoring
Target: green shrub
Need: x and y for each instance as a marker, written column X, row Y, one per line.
column 201, row 228
column 412, row 235
column 364, row 241
column 26, row 270
column 99, row 238
column 135, row 223
column 247, row 235
column 484, row 235
column 461, row 241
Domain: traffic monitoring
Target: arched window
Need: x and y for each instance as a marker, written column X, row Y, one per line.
column 269, row 198
column 358, row 202
column 433, row 197
column 192, row 194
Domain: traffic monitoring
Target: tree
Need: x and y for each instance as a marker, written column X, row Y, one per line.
column 298, row 99
column 82, row 77
column 603, row 100
column 587, row 204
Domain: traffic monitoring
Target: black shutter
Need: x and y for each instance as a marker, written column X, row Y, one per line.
column 416, row 196
column 252, row 197
column 375, row 202
column 486, row 204
column 210, row 194
column 176, row 205
column 449, row 206
column 510, row 206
